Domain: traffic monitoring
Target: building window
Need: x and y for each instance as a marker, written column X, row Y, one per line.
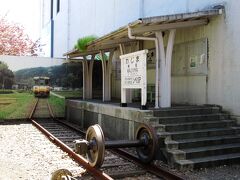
column 52, row 9
column 58, row 6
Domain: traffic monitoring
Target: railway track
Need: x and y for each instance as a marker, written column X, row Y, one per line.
column 118, row 164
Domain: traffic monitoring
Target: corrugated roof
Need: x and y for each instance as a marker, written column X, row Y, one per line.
column 146, row 27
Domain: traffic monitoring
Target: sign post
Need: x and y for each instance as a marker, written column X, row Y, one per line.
column 134, row 75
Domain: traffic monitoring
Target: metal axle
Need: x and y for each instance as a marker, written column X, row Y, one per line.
column 123, row 144
column 113, row 144
column 94, row 145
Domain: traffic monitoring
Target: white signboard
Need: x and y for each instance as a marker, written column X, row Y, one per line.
column 133, row 70
column 134, row 73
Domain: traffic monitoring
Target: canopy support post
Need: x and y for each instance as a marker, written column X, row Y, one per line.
column 87, row 77
column 165, row 68
column 106, row 70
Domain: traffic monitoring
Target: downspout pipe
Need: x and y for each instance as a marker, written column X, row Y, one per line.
column 130, row 36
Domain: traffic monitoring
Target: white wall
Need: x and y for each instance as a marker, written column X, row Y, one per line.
column 103, row 16
column 224, row 47
column 94, row 17
column 78, row 18
column 61, row 34
column 46, row 40
column 166, row 7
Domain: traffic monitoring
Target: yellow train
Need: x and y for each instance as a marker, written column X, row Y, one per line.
column 41, row 87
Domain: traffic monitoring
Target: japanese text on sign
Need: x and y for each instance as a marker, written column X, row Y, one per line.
column 133, row 69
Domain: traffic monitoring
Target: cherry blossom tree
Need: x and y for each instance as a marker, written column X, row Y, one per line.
column 14, row 40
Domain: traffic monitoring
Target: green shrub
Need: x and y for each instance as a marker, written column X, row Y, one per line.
column 20, row 91
column 82, row 43
column 2, row 91
column 24, row 91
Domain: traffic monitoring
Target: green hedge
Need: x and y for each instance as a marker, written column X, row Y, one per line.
column 5, row 91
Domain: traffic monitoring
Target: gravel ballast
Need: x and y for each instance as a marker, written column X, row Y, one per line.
column 226, row 172
column 28, row 154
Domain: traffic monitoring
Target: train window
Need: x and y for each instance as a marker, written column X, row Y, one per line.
column 41, row 81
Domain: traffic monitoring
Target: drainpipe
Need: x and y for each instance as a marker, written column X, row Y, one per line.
column 130, row 36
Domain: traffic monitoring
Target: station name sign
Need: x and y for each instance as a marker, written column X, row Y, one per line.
column 133, row 70
column 134, row 75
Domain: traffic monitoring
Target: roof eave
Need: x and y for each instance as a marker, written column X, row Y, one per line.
column 111, row 40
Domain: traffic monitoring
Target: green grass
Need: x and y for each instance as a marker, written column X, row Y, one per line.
column 3, row 91
column 58, row 105
column 68, row 94
column 16, row 105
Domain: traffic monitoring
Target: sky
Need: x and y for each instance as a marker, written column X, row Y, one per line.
column 24, row 12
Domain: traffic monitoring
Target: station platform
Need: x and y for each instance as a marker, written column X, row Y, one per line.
column 189, row 136
column 117, row 122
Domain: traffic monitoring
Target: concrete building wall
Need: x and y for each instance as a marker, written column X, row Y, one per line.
column 223, row 63
column 61, row 28
column 221, row 85
column 98, row 18
column 78, row 18
column 45, row 24
column 101, row 17
column 46, row 40
column 165, row 7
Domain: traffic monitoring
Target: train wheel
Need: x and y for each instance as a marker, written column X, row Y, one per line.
column 95, row 137
column 147, row 134
column 60, row 174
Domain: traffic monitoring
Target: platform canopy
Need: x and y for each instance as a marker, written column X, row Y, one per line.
column 146, row 27
column 150, row 28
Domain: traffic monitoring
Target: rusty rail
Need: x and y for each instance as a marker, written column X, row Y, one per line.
column 50, row 110
column 79, row 159
column 158, row 171
column 96, row 173
column 33, row 109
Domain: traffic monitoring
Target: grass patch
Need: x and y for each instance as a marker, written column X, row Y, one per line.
column 15, row 105
column 2, row 91
column 69, row 94
column 58, row 105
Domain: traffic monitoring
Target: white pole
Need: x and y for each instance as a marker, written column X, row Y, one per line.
column 169, row 65
column 165, row 68
column 157, row 97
